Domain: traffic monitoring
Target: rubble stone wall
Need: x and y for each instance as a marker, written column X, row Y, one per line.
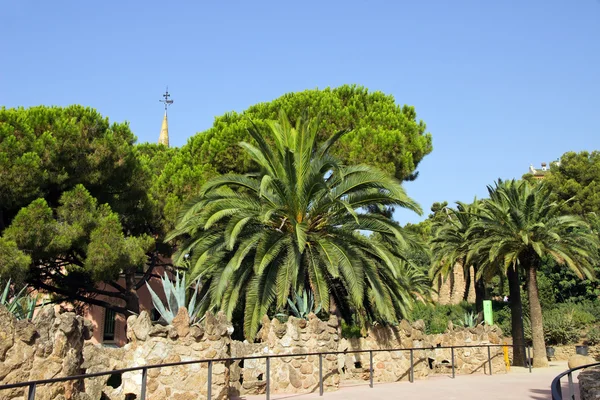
column 563, row 353
column 157, row 344
column 393, row 366
column 589, row 384
column 288, row 374
column 53, row 345
column 48, row 347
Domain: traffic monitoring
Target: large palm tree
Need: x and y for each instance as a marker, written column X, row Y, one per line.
column 518, row 227
column 302, row 221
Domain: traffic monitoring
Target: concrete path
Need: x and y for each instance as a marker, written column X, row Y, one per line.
column 517, row 384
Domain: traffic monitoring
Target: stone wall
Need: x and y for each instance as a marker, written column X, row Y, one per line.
column 589, row 384
column 563, row 353
column 50, row 346
column 288, row 374
column 156, row 344
column 394, row 366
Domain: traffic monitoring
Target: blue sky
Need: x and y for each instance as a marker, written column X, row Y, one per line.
column 501, row 84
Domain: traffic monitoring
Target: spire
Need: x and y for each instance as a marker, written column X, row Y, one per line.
column 163, row 138
column 164, row 132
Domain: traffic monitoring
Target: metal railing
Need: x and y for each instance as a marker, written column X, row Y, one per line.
column 32, row 385
column 556, row 386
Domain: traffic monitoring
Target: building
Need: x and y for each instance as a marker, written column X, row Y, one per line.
column 541, row 173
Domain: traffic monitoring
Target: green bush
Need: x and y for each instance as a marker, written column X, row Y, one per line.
column 592, row 307
column 350, row 331
column 559, row 327
column 593, row 336
column 436, row 317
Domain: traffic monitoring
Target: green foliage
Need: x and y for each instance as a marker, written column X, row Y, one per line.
column 303, row 304
column 575, row 182
column 75, row 207
column 436, row 317
column 579, row 316
column 560, row 327
column 469, row 320
column 593, row 336
column 85, row 238
column 383, row 135
column 351, row 331
column 502, row 317
column 45, row 151
column 175, row 294
column 518, row 228
column 298, row 224
column 20, row 304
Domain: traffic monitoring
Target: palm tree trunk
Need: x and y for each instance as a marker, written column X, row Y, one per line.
column 516, row 315
column 537, row 323
column 479, row 294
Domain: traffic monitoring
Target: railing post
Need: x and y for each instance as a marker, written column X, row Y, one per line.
column 31, row 394
column 209, row 381
column 320, row 374
column 370, row 368
column 529, row 359
column 452, row 362
column 144, row 379
column 268, row 389
column 489, row 359
column 571, row 389
column 412, row 367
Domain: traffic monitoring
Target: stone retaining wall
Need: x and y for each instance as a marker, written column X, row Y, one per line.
column 589, row 384
column 563, row 353
column 52, row 345
column 47, row 347
column 156, row 344
column 288, row 374
column 395, row 365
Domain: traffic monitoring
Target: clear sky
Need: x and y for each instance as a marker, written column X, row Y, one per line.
column 501, row 84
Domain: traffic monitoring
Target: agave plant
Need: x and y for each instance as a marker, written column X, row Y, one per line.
column 175, row 296
column 303, row 305
column 469, row 320
column 21, row 305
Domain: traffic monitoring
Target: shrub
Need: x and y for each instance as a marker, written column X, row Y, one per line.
column 592, row 307
column 436, row 317
column 350, row 331
column 580, row 316
column 559, row 327
column 593, row 336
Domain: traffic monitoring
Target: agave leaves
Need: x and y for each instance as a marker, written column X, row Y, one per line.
column 301, row 223
column 21, row 305
column 175, row 297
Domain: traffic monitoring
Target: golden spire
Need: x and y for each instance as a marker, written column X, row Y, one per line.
column 163, row 138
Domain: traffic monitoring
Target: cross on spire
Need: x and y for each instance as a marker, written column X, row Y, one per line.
column 166, row 99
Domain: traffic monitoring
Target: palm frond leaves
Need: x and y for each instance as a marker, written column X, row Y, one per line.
column 303, row 222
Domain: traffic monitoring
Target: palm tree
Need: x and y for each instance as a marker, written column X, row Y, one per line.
column 518, row 227
column 451, row 244
column 302, row 222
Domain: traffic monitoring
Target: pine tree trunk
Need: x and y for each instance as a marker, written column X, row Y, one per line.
column 516, row 315
column 537, row 323
column 132, row 299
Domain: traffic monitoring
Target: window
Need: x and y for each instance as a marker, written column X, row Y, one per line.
column 109, row 325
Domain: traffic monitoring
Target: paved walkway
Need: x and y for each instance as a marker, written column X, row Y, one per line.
column 517, row 384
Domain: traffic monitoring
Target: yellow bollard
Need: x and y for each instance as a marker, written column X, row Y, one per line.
column 506, row 360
